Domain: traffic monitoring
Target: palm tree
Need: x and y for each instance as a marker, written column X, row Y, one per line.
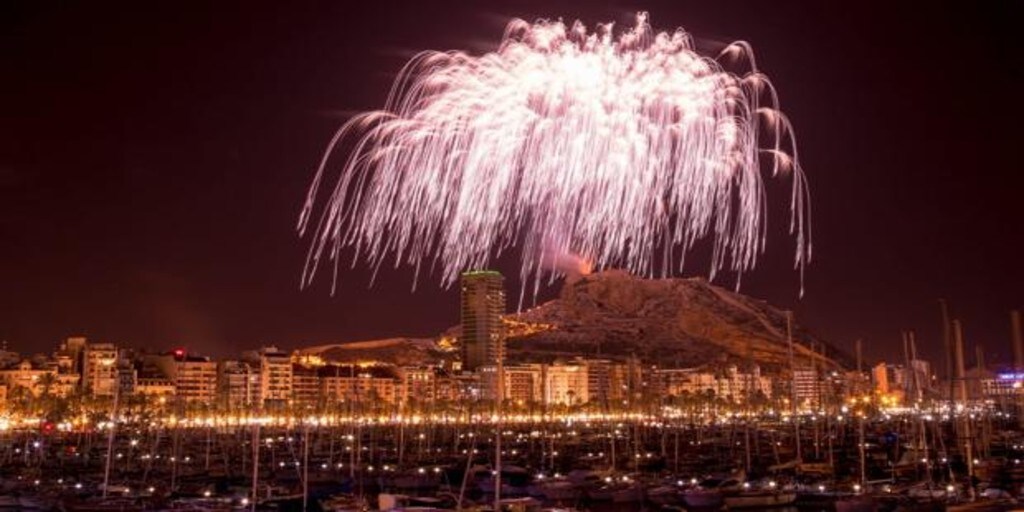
column 709, row 399
column 20, row 399
column 46, row 382
column 758, row 400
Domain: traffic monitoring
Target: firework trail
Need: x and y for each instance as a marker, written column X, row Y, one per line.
column 624, row 151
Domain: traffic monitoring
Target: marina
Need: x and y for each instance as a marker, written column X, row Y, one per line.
column 637, row 461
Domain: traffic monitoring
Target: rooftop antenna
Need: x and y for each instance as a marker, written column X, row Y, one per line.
column 947, row 347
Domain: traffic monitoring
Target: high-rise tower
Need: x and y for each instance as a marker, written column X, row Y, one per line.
column 483, row 305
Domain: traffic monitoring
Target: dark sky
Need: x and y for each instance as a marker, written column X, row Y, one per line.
column 154, row 156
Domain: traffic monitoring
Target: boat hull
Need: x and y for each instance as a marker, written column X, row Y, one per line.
column 760, row 500
column 703, row 499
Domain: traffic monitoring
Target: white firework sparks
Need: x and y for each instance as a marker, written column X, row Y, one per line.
column 624, row 151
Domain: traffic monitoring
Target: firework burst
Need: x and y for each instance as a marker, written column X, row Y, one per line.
column 624, row 151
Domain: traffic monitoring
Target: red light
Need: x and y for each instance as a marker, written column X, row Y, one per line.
column 179, row 352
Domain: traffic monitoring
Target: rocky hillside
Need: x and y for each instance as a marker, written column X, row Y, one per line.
column 675, row 322
column 400, row 351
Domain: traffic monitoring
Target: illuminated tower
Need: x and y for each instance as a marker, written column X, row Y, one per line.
column 483, row 304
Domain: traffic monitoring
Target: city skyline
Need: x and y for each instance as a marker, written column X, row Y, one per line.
column 153, row 201
column 269, row 380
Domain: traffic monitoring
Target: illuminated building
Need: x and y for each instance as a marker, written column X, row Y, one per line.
column 305, row 385
column 523, row 383
column 66, row 383
column 856, row 383
column 351, row 383
column 608, row 380
column 239, row 384
column 1003, row 384
column 275, row 377
column 807, row 387
column 738, row 386
column 127, row 378
column 685, row 381
column 72, row 348
column 566, row 384
column 483, row 305
column 65, row 364
column 196, row 380
column 99, row 368
column 890, row 382
column 463, row 386
column 24, row 375
column 730, row 384
column 194, row 377
column 419, row 383
column 634, row 381
column 450, row 387
column 155, row 387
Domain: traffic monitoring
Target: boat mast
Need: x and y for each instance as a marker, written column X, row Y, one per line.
column 860, row 414
column 947, row 347
column 792, row 385
column 1018, row 360
column 499, row 400
column 110, row 434
column 305, row 467
column 919, row 397
column 255, row 463
column 965, row 430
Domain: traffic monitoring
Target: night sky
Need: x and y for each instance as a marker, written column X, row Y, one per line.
column 154, row 157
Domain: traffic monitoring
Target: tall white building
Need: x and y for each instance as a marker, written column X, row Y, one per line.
column 99, row 369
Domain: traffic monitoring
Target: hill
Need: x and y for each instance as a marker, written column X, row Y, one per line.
column 674, row 322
